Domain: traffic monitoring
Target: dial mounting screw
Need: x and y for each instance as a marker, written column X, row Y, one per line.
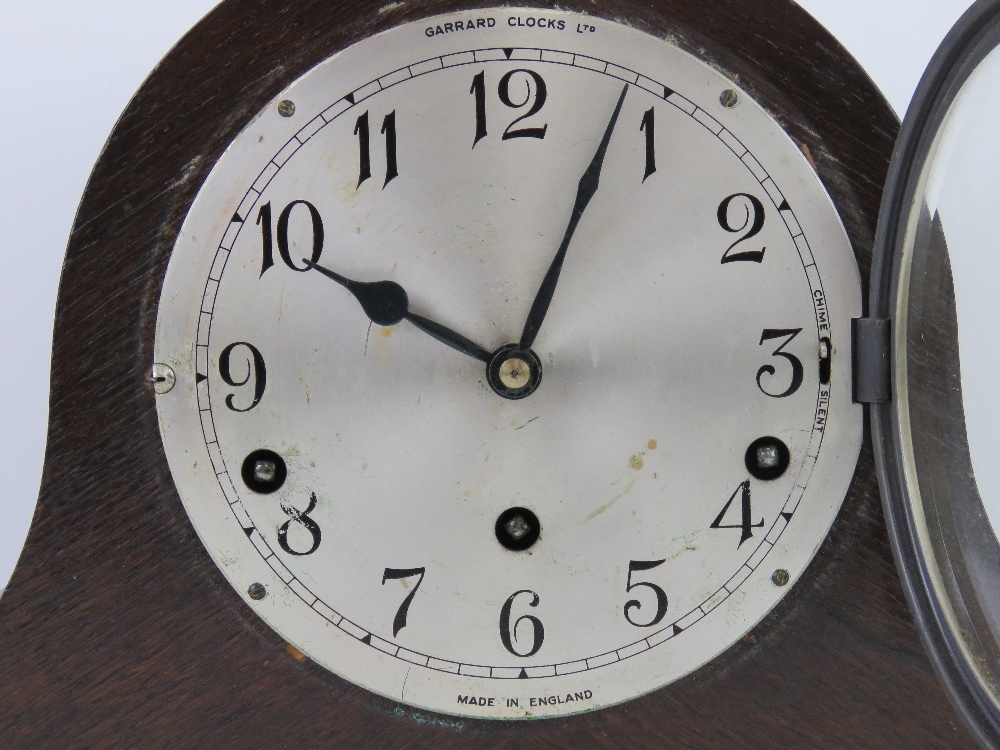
column 517, row 529
column 780, row 577
column 728, row 98
column 767, row 458
column 162, row 377
column 286, row 108
column 257, row 591
column 264, row 471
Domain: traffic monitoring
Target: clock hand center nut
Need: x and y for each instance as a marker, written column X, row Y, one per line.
column 513, row 372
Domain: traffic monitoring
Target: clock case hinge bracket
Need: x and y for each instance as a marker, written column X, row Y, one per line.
column 871, row 338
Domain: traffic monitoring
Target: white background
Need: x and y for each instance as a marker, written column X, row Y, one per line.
column 68, row 69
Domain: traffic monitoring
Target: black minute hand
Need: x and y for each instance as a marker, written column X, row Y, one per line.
column 588, row 186
column 385, row 303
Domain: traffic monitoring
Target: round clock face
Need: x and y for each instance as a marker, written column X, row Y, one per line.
column 512, row 363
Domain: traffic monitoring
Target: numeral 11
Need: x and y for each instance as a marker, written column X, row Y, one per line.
column 361, row 130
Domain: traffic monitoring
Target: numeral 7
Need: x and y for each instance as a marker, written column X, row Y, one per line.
column 395, row 574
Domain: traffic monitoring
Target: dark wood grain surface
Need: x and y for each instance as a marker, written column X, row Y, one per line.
column 117, row 630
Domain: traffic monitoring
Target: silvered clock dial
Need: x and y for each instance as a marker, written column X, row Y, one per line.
column 512, row 361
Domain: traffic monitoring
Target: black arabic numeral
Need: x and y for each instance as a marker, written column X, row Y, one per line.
column 753, row 219
column 648, row 127
column 364, row 148
column 255, row 370
column 264, row 222
column 479, row 91
column 536, row 97
column 317, row 234
column 389, row 131
column 363, row 132
column 797, row 371
column 301, row 518
column 395, row 574
column 661, row 595
column 746, row 514
column 508, row 634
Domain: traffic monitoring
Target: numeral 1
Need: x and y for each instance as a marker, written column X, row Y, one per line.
column 362, row 131
column 648, row 127
column 479, row 90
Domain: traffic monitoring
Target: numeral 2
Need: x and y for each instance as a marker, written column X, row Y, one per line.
column 395, row 574
column 361, row 130
column 746, row 514
column 753, row 222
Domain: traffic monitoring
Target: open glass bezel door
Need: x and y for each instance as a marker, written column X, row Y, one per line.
column 946, row 550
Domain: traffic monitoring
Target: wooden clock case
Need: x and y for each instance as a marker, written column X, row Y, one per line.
column 117, row 630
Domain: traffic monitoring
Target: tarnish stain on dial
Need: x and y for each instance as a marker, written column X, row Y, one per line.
column 615, row 499
column 636, row 460
column 687, row 544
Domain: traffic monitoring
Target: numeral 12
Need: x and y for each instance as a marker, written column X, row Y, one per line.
column 534, row 99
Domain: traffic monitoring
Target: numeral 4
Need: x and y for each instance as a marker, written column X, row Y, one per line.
column 745, row 524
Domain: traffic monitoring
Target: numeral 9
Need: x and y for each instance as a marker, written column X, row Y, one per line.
column 255, row 369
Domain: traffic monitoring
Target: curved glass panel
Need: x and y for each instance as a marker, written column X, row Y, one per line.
column 946, row 333
column 963, row 194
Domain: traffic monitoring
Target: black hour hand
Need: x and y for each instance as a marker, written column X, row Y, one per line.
column 386, row 304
